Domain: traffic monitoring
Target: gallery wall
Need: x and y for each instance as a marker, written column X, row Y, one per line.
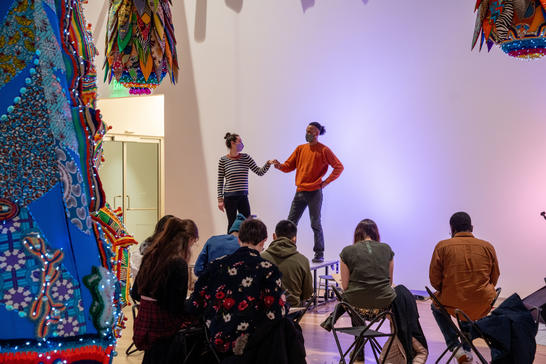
column 423, row 126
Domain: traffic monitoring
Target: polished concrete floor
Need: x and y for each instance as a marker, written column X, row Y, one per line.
column 320, row 344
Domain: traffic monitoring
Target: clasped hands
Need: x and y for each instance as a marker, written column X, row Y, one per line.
column 275, row 163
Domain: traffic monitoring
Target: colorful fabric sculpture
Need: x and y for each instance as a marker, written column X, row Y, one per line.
column 517, row 26
column 121, row 240
column 140, row 44
column 59, row 300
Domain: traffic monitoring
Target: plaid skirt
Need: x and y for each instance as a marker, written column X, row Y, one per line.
column 153, row 324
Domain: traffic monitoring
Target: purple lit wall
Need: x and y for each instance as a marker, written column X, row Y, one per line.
column 424, row 126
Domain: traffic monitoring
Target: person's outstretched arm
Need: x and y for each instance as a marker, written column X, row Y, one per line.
column 335, row 164
column 254, row 168
column 290, row 163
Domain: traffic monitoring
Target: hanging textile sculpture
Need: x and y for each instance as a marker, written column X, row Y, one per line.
column 517, row 26
column 140, row 44
column 121, row 240
column 59, row 301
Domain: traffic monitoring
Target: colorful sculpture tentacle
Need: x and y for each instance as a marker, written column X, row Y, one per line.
column 517, row 26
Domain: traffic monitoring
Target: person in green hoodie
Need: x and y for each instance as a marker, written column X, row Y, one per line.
column 294, row 266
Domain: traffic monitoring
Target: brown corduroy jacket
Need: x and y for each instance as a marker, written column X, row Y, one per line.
column 464, row 270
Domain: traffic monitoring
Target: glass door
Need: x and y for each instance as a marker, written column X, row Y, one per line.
column 132, row 180
column 141, row 188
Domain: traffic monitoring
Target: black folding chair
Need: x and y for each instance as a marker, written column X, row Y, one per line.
column 536, row 302
column 460, row 334
column 132, row 348
column 298, row 315
column 196, row 344
column 461, row 317
column 363, row 333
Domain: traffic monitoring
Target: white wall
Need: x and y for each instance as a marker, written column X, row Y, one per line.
column 134, row 116
column 423, row 126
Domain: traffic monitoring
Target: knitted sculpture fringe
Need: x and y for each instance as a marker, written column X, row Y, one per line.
column 140, row 44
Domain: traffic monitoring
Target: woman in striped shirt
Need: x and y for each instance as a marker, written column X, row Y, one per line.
column 233, row 168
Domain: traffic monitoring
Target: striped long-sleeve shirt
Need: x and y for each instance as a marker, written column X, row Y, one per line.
column 235, row 173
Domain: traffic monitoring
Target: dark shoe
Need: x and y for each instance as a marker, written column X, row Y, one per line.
column 319, row 258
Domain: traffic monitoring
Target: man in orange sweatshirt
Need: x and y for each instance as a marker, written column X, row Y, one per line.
column 311, row 163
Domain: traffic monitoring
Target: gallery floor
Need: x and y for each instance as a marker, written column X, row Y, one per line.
column 320, row 345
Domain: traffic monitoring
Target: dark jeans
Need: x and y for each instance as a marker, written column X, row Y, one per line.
column 450, row 335
column 313, row 200
column 234, row 204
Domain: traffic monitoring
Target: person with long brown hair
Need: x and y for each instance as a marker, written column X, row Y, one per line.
column 136, row 255
column 161, row 287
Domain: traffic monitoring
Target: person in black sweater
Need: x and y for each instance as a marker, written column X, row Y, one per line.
column 161, row 287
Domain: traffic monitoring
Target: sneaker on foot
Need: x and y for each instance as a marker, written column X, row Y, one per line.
column 319, row 258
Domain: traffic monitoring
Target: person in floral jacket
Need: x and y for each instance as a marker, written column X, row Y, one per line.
column 239, row 292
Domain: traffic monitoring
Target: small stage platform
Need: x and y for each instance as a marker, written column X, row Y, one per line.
column 327, row 267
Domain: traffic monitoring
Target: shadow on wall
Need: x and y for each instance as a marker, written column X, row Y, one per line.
column 200, row 29
column 187, row 192
column 235, row 5
column 306, row 4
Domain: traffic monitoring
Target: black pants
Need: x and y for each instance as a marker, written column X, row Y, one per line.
column 235, row 204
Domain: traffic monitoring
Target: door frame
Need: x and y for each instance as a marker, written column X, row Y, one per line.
column 160, row 170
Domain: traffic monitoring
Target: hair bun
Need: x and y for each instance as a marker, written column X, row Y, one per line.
column 227, row 135
column 320, row 128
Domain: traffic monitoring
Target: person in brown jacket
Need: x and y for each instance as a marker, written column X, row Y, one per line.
column 464, row 271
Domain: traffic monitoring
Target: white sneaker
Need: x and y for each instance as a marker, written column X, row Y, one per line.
column 463, row 356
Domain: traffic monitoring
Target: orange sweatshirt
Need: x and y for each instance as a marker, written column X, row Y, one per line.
column 311, row 164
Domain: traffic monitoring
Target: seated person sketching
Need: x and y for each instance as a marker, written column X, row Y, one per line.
column 294, row 266
column 219, row 246
column 366, row 274
column 161, row 287
column 239, row 292
column 366, row 269
column 464, row 270
column 366, row 277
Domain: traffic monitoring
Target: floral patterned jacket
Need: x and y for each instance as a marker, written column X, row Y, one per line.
column 236, row 294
